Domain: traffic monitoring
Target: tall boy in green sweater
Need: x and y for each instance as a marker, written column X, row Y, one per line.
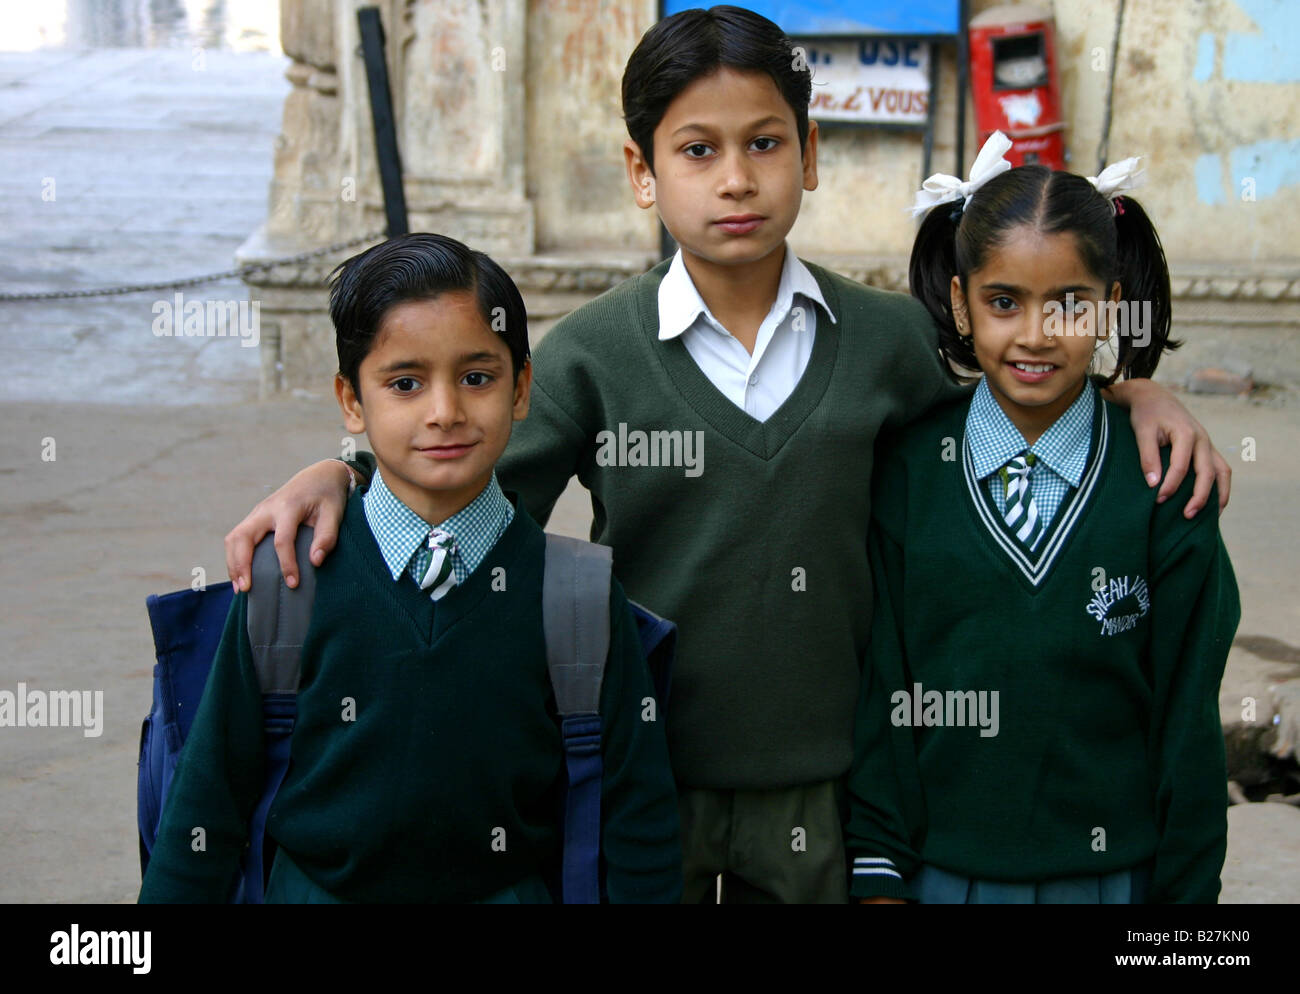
column 426, row 759
column 722, row 409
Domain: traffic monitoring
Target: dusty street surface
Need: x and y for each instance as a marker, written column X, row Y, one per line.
column 138, row 497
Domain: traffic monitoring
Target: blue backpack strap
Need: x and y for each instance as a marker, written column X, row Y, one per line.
column 658, row 638
column 277, row 625
column 575, row 618
column 187, row 626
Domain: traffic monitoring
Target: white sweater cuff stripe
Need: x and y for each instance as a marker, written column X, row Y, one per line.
column 862, row 871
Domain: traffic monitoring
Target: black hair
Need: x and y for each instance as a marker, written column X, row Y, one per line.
column 419, row 267
column 1116, row 243
column 694, row 43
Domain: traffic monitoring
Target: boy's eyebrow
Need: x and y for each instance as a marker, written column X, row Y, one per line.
column 397, row 365
column 754, row 126
column 482, row 357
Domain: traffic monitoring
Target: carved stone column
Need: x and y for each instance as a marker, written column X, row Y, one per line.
column 460, row 94
column 460, row 76
column 313, row 203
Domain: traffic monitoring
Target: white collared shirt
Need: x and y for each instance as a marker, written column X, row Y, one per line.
column 760, row 383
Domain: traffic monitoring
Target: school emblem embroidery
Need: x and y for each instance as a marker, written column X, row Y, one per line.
column 1120, row 604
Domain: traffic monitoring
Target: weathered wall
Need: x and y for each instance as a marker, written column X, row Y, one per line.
column 576, row 53
column 1210, row 97
column 510, row 128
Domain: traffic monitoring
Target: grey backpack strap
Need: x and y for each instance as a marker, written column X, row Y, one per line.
column 575, row 618
column 278, row 616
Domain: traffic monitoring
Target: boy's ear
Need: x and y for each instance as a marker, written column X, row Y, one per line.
column 350, row 404
column 810, row 158
column 523, row 389
column 960, row 316
column 639, row 174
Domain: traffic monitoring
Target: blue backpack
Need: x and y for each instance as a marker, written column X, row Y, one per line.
column 187, row 627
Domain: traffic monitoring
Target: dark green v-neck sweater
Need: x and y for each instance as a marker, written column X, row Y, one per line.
column 759, row 551
column 426, row 758
column 1104, row 647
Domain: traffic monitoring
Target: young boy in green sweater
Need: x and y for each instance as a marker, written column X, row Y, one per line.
column 722, row 409
column 426, row 759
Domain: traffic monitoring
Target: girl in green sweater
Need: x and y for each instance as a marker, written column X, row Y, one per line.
column 1039, row 717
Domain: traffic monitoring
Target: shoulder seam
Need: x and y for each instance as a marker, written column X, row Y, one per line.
column 577, row 428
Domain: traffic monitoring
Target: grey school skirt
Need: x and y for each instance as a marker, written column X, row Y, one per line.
column 935, row 886
column 289, row 885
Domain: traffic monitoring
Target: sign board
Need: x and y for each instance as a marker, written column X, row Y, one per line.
column 869, row 80
column 850, row 17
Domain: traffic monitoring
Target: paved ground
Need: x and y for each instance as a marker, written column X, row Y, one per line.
column 140, row 496
column 128, row 166
column 158, row 448
column 136, row 499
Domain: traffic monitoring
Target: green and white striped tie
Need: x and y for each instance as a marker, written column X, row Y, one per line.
column 1021, row 514
column 439, row 577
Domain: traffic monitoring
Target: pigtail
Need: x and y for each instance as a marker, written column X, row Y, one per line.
column 929, row 276
column 1143, row 274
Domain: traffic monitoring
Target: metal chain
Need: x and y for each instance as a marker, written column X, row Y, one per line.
column 240, row 272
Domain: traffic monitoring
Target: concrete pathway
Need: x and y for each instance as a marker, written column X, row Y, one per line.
column 128, row 166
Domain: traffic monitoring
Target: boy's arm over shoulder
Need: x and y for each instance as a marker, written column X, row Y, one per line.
column 1195, row 608
column 886, row 807
column 544, row 452
column 912, row 456
column 217, row 783
column 904, row 346
column 571, row 370
column 640, row 834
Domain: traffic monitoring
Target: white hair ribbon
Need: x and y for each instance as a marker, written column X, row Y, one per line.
column 1119, row 179
column 941, row 188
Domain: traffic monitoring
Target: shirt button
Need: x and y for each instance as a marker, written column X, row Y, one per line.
column 753, row 380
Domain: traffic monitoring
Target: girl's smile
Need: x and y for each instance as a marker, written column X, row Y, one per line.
column 1035, row 363
column 1027, row 372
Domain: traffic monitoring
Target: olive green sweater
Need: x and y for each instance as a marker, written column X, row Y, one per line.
column 751, row 535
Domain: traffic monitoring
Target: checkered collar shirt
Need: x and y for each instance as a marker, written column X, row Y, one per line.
column 1062, row 450
column 401, row 533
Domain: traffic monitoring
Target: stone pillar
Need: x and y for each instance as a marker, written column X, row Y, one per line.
column 464, row 85
column 460, row 90
column 313, row 203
